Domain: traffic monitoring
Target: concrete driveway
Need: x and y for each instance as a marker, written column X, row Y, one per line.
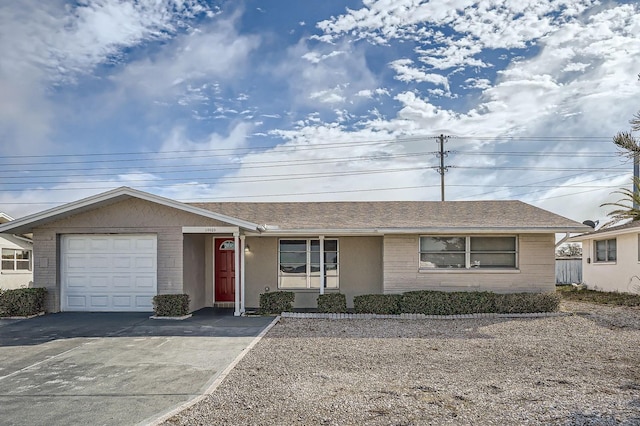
column 113, row 368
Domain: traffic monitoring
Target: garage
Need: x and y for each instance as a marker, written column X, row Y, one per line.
column 108, row 273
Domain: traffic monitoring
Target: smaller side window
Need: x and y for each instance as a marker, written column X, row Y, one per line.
column 16, row 260
column 606, row 250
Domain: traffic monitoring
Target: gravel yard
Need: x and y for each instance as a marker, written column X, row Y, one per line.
column 580, row 369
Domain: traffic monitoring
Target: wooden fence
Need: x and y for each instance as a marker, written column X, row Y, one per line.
column 568, row 271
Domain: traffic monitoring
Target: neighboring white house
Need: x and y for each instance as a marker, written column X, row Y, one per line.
column 16, row 269
column 611, row 258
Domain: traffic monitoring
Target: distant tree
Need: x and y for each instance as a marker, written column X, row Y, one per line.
column 569, row 250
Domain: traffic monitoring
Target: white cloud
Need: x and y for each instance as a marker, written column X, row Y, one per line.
column 54, row 42
column 213, row 53
column 315, row 57
column 331, row 74
column 368, row 93
column 331, row 96
column 178, row 140
column 499, row 24
column 575, row 66
column 477, row 83
column 407, row 73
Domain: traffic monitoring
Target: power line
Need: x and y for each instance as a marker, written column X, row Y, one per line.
column 417, row 138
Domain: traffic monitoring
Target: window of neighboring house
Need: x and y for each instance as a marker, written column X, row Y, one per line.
column 468, row 252
column 606, row 250
column 299, row 263
column 16, row 260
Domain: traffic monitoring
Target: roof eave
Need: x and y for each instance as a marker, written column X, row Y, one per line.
column 422, row 230
column 27, row 223
column 603, row 234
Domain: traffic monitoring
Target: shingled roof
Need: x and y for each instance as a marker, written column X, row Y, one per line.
column 398, row 215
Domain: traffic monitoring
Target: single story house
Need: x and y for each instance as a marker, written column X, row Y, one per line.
column 611, row 258
column 16, row 269
column 115, row 250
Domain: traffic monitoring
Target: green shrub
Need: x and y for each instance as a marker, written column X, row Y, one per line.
column 171, row 305
column 383, row 304
column 457, row 303
column 22, row 302
column 332, row 303
column 276, row 302
column 518, row 303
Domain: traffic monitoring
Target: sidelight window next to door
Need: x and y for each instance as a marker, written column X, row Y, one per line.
column 299, row 263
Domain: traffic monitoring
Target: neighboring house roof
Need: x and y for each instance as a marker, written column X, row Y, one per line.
column 4, row 218
column 344, row 217
column 631, row 227
column 15, row 242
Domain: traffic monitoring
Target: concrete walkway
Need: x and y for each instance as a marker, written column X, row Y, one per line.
column 113, row 368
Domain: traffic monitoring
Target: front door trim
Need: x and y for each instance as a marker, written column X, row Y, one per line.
column 210, row 230
column 224, row 271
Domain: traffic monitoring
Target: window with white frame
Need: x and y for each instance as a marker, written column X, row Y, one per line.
column 299, row 263
column 466, row 252
column 16, row 260
column 606, row 250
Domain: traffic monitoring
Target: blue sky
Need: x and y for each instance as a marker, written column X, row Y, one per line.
column 288, row 100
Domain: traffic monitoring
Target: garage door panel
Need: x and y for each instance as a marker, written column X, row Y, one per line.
column 76, row 281
column 76, row 302
column 144, row 283
column 108, row 272
column 143, row 302
column 145, row 244
column 97, row 262
column 99, row 244
column 121, row 262
column 76, row 262
column 98, row 301
column 144, row 262
column 101, row 282
column 122, row 301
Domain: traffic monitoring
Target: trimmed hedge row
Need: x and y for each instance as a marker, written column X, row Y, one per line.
column 332, row 303
column 276, row 302
column 22, row 302
column 171, row 305
column 456, row 303
column 383, row 304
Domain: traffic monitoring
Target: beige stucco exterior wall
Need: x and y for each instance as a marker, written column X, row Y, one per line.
column 360, row 263
column 194, row 273
column 130, row 216
column 623, row 275
column 536, row 272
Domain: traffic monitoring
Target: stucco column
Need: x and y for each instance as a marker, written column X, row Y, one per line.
column 321, row 264
column 242, row 268
column 236, row 252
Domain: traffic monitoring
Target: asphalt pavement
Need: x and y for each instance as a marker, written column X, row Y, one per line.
column 113, row 368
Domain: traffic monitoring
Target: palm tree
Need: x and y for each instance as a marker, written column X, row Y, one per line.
column 624, row 211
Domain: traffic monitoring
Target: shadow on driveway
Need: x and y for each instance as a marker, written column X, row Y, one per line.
column 206, row 322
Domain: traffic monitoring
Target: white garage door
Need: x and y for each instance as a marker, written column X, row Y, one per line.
column 108, row 272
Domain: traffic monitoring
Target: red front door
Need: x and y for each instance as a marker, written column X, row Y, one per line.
column 225, row 270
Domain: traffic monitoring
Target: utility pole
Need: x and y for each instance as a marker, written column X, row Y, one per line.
column 442, row 169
